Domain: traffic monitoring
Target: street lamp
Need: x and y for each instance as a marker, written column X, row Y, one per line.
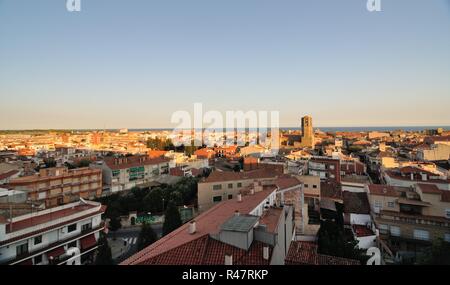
column 163, row 204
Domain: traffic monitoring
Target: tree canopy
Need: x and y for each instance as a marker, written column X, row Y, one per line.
column 146, row 237
column 184, row 192
column 172, row 219
column 438, row 254
column 104, row 256
column 332, row 241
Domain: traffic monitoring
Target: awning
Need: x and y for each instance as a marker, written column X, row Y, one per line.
column 55, row 252
column 26, row 262
column 88, row 241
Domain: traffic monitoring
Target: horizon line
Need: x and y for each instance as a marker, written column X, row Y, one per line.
column 168, row 128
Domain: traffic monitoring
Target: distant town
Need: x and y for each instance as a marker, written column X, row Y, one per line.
column 134, row 197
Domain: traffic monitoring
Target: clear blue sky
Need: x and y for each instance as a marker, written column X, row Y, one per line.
column 133, row 63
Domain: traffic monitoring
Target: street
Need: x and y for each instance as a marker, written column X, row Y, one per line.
column 123, row 242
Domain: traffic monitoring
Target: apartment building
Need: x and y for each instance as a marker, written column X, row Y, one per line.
column 434, row 152
column 328, row 169
column 59, row 185
column 124, row 173
column 247, row 230
column 410, row 218
column 51, row 236
column 221, row 186
column 409, row 176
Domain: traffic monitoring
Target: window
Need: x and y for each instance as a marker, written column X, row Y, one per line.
column 383, row 229
column 86, row 227
column 332, row 167
column 37, row 240
column 378, row 205
column 42, row 195
column 306, row 185
column 447, row 213
column 37, row 259
column 390, row 204
column 230, row 196
column 217, row 199
column 217, row 187
column 447, row 237
column 395, row 231
column 71, row 228
column 314, row 186
column 230, row 185
column 421, row 235
column 72, row 244
column 22, row 249
column 239, row 185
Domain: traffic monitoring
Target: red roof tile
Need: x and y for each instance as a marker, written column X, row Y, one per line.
column 362, row 231
column 271, row 218
column 305, row 253
column 208, row 251
column 133, row 161
column 218, row 176
column 8, row 174
column 384, row 190
column 41, row 219
column 429, row 188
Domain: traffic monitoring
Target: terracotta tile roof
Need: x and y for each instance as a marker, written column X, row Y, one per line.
column 205, row 152
column 411, row 169
column 384, row 190
column 271, row 218
column 305, row 253
column 176, row 171
column 8, row 174
column 429, row 188
column 133, row 161
column 287, row 181
column 362, row 231
column 330, row 190
column 102, row 210
column 208, row 222
column 335, row 260
column 397, row 175
column 208, row 251
column 302, row 253
column 219, row 176
column 356, row 203
column 156, row 153
column 41, row 219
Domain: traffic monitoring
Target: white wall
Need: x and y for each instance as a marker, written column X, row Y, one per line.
column 360, row 219
column 366, row 242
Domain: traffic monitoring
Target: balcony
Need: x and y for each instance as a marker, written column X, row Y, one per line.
column 27, row 254
column 414, row 219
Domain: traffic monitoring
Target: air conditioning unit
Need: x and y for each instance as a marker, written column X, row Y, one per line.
column 63, row 230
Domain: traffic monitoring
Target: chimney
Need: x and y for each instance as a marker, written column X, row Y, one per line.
column 236, row 213
column 228, row 259
column 424, row 176
column 239, row 197
column 192, row 227
column 266, row 252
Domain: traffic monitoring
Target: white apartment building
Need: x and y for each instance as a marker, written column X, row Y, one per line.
column 50, row 236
